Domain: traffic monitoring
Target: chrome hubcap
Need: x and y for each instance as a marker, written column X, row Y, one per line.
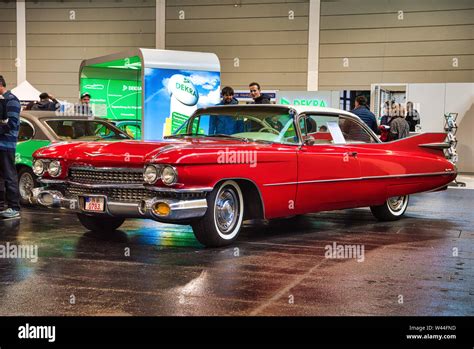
column 226, row 210
column 26, row 185
column 396, row 203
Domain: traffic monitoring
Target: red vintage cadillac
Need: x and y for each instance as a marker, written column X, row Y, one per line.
column 227, row 164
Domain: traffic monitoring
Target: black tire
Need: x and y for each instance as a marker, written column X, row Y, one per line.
column 225, row 208
column 100, row 223
column 392, row 210
column 26, row 182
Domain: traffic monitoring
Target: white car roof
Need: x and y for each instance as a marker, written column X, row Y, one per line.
column 298, row 108
column 305, row 109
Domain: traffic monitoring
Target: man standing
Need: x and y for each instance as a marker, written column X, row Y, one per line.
column 363, row 112
column 258, row 97
column 399, row 127
column 8, row 138
column 47, row 103
column 84, row 107
column 412, row 117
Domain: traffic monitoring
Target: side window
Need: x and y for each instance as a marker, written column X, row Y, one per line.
column 132, row 130
column 26, row 131
column 353, row 132
column 319, row 129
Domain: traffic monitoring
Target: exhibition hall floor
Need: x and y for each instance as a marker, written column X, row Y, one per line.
column 420, row 265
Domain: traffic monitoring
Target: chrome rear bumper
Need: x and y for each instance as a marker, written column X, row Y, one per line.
column 178, row 209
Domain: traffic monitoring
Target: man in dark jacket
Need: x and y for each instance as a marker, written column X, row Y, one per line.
column 9, row 128
column 46, row 103
column 399, row 127
column 364, row 113
column 412, row 117
column 257, row 95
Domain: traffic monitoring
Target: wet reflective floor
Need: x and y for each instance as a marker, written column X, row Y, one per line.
column 420, row 265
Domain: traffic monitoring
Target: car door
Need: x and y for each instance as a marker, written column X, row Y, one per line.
column 328, row 169
column 375, row 162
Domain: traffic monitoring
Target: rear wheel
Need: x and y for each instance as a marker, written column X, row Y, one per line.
column 26, row 182
column 392, row 209
column 100, row 223
column 222, row 222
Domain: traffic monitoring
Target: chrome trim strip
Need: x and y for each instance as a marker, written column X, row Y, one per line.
column 51, row 181
column 436, row 145
column 126, row 186
column 101, row 186
column 111, row 169
column 364, row 178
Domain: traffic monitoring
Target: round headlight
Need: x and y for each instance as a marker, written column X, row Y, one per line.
column 169, row 175
column 38, row 167
column 150, row 175
column 54, row 168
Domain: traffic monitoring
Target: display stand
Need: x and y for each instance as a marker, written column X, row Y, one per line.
column 451, row 127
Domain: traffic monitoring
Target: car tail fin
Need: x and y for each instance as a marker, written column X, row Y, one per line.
column 431, row 142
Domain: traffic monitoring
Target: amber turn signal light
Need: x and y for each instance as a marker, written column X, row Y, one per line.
column 161, row 209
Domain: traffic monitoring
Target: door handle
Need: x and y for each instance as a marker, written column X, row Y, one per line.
column 351, row 153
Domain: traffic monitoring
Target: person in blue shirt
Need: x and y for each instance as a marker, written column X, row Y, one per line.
column 9, row 128
column 222, row 124
column 364, row 113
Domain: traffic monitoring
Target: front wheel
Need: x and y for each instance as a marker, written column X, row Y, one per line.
column 100, row 223
column 392, row 209
column 26, row 183
column 222, row 222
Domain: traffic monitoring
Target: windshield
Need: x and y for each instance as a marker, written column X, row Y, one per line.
column 85, row 130
column 265, row 126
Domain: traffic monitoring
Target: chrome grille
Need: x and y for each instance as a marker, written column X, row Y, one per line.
column 97, row 175
column 112, row 194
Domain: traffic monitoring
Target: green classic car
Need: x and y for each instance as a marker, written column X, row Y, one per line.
column 41, row 128
column 131, row 127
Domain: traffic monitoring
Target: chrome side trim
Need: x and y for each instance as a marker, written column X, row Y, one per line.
column 364, row 178
column 436, row 145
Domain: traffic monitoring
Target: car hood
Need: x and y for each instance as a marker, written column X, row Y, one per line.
column 129, row 153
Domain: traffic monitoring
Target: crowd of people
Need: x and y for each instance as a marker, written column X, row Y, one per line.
column 48, row 102
column 395, row 123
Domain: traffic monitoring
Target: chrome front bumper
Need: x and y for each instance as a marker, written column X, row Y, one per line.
column 179, row 209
